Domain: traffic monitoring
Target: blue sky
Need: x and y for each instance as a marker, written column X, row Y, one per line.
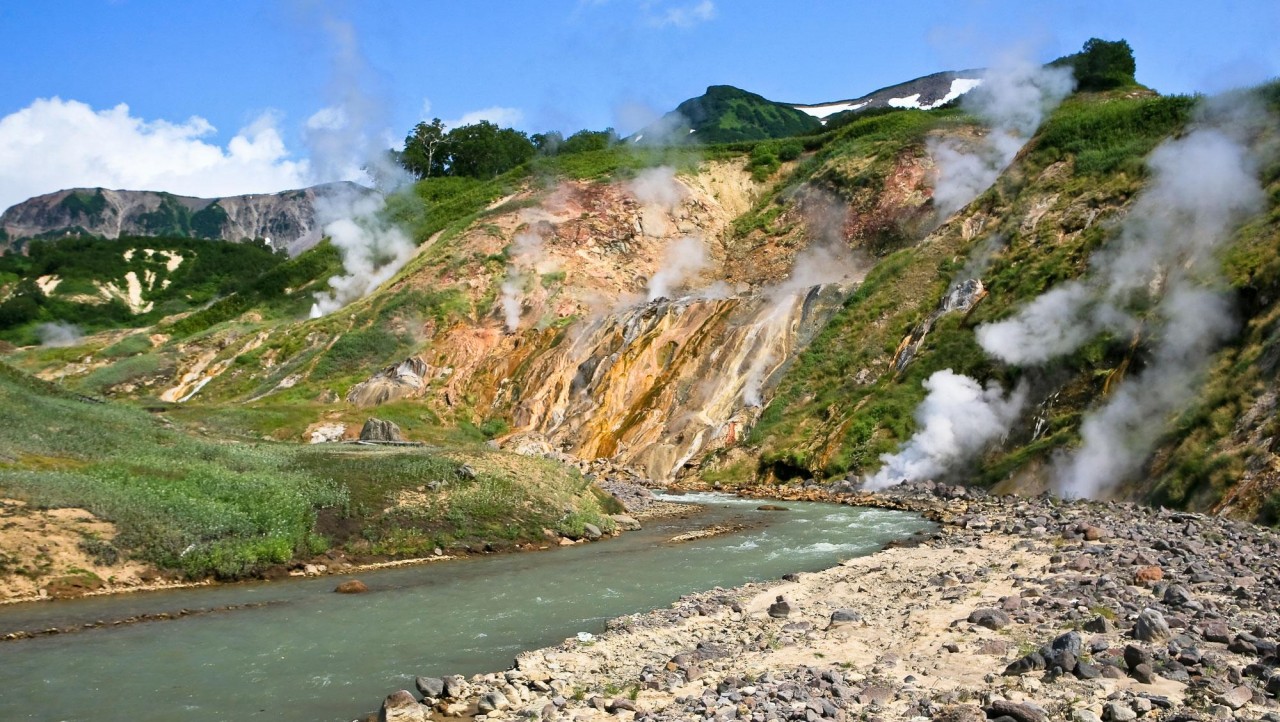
column 219, row 95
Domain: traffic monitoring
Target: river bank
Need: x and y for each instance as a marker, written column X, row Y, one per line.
column 58, row 538
column 1018, row 609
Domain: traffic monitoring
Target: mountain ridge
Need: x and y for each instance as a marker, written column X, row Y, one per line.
column 286, row 219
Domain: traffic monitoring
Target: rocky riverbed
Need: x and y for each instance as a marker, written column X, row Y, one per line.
column 1016, row 609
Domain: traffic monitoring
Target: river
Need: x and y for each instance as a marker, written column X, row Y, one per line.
column 303, row 653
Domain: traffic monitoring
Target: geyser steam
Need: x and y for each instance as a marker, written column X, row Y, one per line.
column 684, row 260
column 348, row 140
column 1202, row 186
column 58, row 333
column 1014, row 97
column 957, row 420
column 525, row 254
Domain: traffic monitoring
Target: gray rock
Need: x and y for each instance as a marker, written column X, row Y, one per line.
column 492, row 702
column 620, row 704
column 994, row 619
column 430, row 686
column 780, row 609
column 1118, row 712
column 842, row 617
column 455, row 687
column 1144, row 673
column 1099, row 625
column 1236, row 697
column 591, row 531
column 625, row 522
column 1151, row 627
column 380, row 430
column 1020, row 711
column 1084, row 715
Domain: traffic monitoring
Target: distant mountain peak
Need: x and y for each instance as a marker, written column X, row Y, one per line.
column 287, row 220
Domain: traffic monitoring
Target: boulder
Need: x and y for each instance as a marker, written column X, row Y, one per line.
column 1019, row 711
column 402, row 706
column 1146, row 576
column 842, row 617
column 455, row 687
column 430, row 686
column 780, row 609
column 492, row 702
column 1236, row 697
column 1117, row 711
column 626, row 523
column 591, row 531
column 379, row 430
column 351, row 586
column 994, row 619
column 1151, row 627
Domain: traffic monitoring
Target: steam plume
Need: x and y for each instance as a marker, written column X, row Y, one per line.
column 525, row 254
column 1202, row 186
column 657, row 187
column 373, row 248
column 684, row 260
column 347, row 140
column 957, row 420
column 58, row 333
column 1013, row 99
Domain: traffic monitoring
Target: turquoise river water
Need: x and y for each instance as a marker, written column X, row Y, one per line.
column 304, row 653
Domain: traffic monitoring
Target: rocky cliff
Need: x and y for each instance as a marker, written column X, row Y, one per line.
column 287, row 220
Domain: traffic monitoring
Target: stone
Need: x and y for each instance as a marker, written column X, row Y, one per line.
column 1151, row 627
column 619, row 705
column 430, row 686
column 455, row 687
column 1020, row 711
column 1117, row 711
column 625, row 522
column 402, row 706
column 492, row 702
column 1135, row 655
column 591, row 531
column 780, row 609
column 351, row 586
column 1146, row 576
column 1084, row 715
column 379, row 430
column 842, row 617
column 1029, row 663
column 770, row 507
column 1236, row 697
column 1099, row 625
column 1177, row 596
column 1144, row 673
column 1085, row 670
column 1217, row 632
column 994, row 619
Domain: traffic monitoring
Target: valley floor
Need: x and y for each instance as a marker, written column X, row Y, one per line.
column 1021, row 609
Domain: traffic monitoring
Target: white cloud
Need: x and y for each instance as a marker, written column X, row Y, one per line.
column 54, row 144
column 498, row 115
column 680, row 16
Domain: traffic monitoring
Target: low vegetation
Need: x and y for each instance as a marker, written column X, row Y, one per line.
column 205, row 507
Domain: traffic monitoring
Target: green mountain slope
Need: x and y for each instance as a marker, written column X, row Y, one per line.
column 725, row 114
column 853, row 395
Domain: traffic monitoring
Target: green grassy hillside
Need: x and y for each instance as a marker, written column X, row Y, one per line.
column 203, row 505
column 725, row 114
